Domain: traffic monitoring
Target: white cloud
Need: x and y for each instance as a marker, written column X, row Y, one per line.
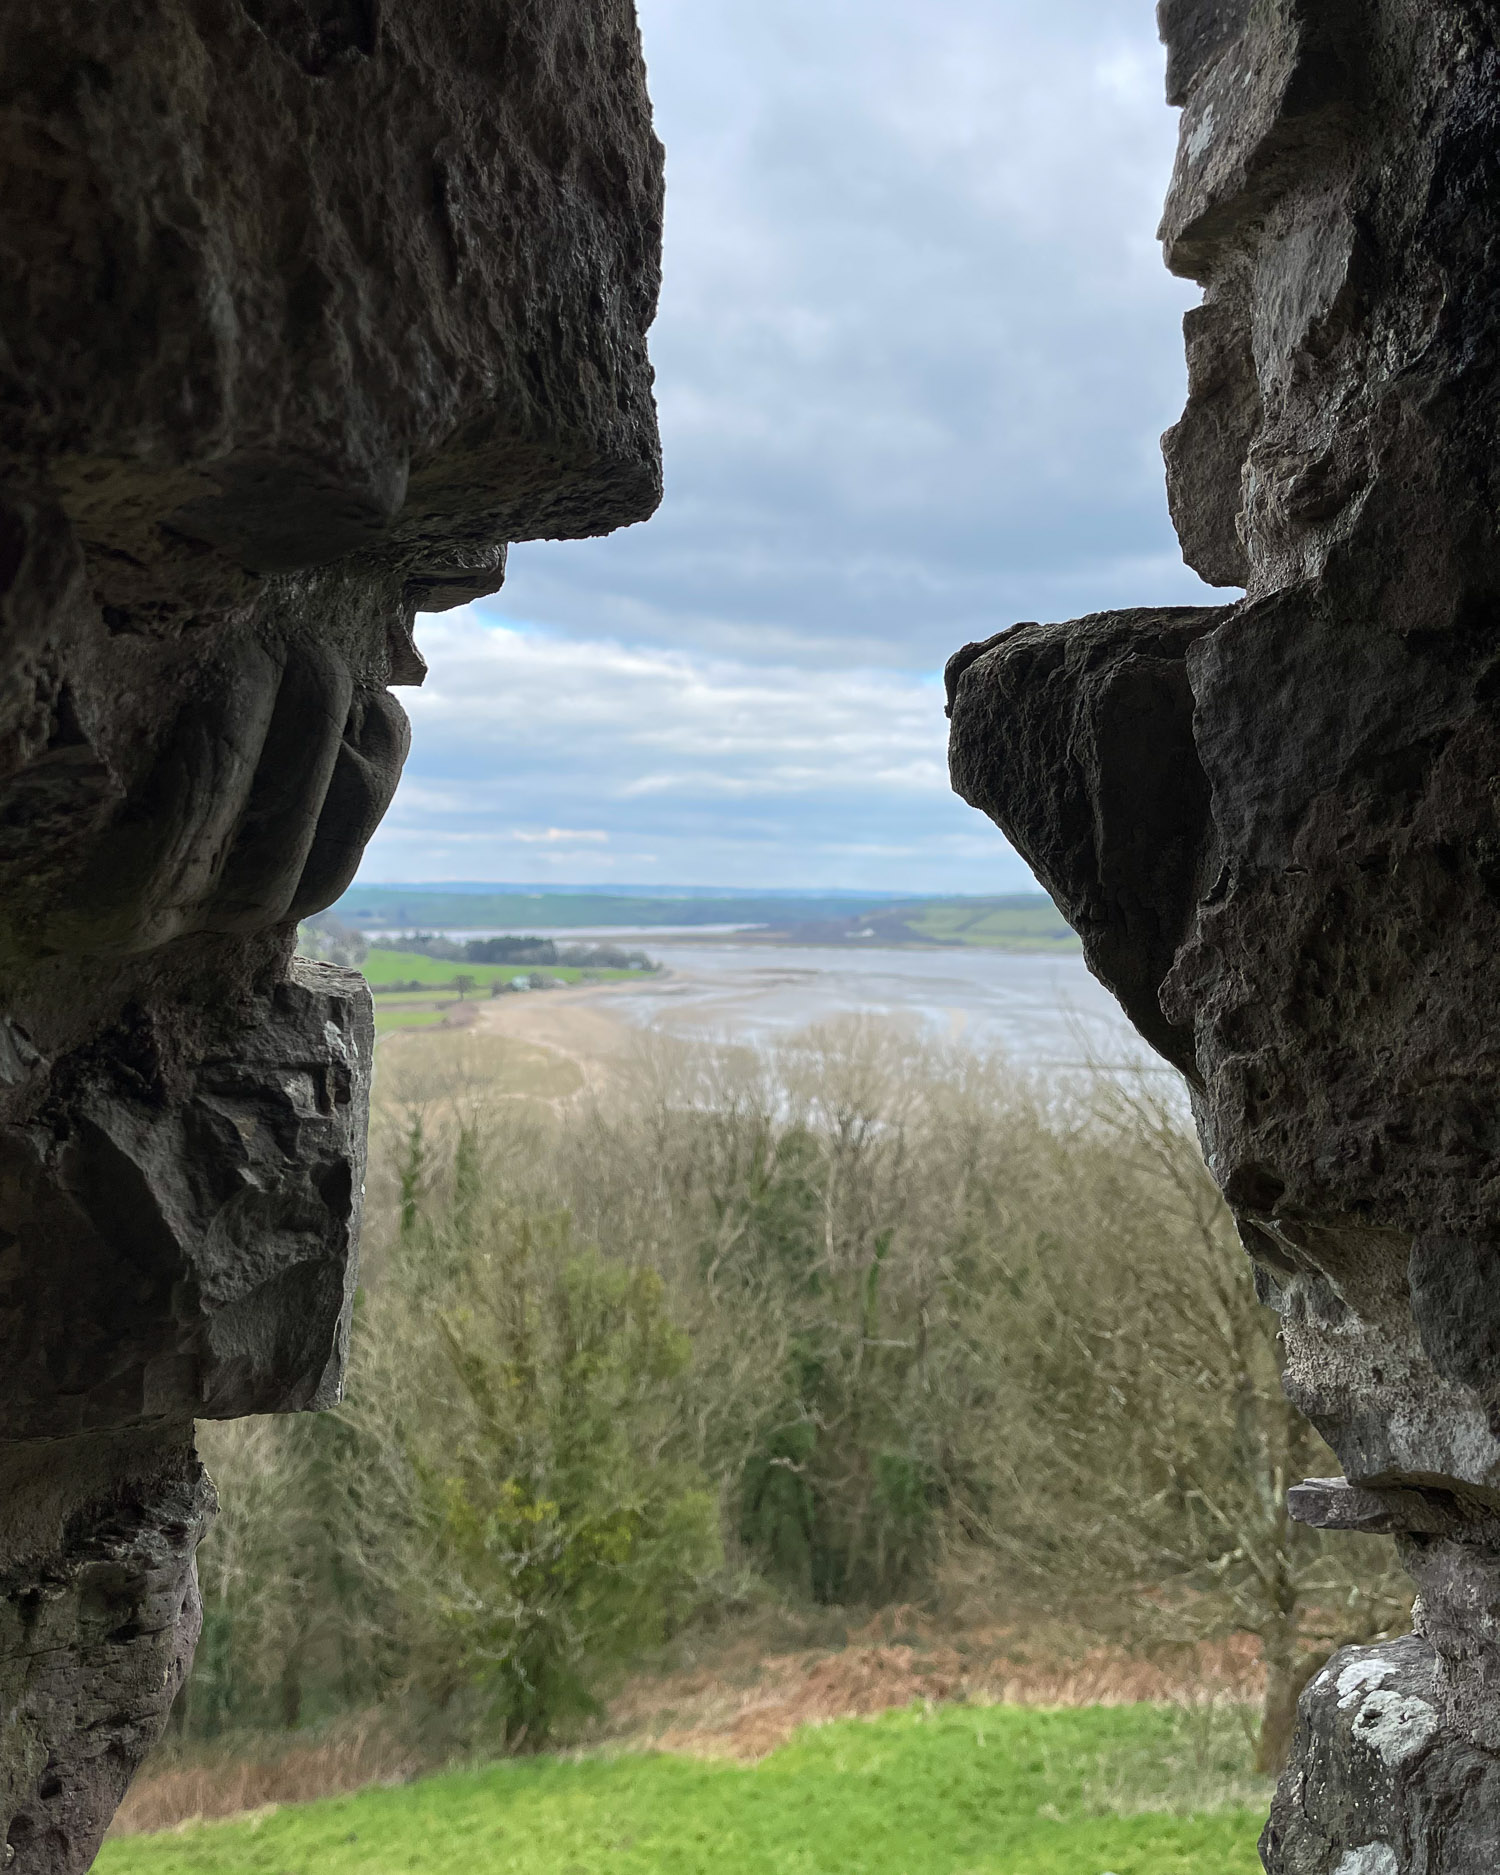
column 916, row 342
column 571, row 752
column 658, row 720
column 561, row 836
column 915, row 350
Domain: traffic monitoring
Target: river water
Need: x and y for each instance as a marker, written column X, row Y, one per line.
column 1045, row 1012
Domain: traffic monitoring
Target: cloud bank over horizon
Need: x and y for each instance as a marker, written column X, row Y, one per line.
column 915, row 351
column 584, row 762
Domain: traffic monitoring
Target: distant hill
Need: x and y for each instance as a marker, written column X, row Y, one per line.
column 469, row 888
column 1031, row 922
column 475, row 908
column 1019, row 921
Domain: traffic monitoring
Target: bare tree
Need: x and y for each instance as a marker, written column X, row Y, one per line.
column 1151, row 1445
column 929, row 1302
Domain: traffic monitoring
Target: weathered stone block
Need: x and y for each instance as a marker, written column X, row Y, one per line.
column 99, row 1614
column 284, row 282
column 1078, row 741
column 190, row 1252
column 1380, row 1786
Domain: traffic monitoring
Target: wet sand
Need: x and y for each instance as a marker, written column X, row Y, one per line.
column 1045, row 1012
column 578, row 1024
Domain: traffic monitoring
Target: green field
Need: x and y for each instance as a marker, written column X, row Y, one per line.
column 408, row 1016
column 1023, row 921
column 383, row 968
column 425, row 1008
column 959, row 1790
column 1016, row 924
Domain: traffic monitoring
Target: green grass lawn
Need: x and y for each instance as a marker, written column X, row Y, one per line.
column 382, row 968
column 957, row 1791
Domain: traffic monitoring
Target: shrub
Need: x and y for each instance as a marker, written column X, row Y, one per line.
column 564, row 1542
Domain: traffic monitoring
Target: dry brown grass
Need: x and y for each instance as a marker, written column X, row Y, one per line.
column 469, row 1066
column 230, row 1780
column 742, row 1704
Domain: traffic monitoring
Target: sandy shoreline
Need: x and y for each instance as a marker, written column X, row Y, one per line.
column 575, row 1023
column 1045, row 1014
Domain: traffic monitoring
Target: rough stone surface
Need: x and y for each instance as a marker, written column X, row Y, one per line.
column 306, row 311
column 290, row 280
column 98, row 1621
column 1081, row 737
column 1379, row 1785
column 1277, row 824
column 188, row 1250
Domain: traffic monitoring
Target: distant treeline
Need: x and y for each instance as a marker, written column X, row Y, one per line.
column 396, row 908
column 516, row 950
column 1024, row 921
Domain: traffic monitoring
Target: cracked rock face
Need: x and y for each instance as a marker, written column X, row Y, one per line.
column 1276, row 824
column 97, row 1631
column 188, row 1251
column 307, row 310
column 1379, row 1785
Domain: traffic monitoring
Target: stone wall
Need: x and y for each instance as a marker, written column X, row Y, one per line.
column 307, row 309
column 1276, row 824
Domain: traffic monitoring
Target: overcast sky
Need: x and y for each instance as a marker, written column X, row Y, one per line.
column 915, row 351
